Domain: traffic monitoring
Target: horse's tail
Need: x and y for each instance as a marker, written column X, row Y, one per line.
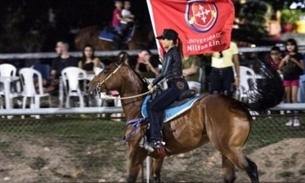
column 268, row 91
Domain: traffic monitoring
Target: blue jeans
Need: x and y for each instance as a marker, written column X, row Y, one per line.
column 221, row 81
column 117, row 28
column 157, row 106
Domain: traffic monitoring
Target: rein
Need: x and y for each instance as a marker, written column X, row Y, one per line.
column 107, row 97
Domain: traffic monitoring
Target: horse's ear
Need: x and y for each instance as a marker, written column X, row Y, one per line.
column 123, row 56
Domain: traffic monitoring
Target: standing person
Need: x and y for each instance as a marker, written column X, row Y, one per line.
column 63, row 60
column 292, row 68
column 191, row 65
column 172, row 71
column 275, row 57
column 222, row 74
column 127, row 18
column 89, row 61
column 147, row 64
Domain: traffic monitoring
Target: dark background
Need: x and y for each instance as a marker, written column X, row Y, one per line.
column 25, row 25
column 28, row 26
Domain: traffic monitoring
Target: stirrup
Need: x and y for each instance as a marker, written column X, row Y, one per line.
column 155, row 144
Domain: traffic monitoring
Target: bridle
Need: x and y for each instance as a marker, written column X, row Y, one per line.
column 107, row 97
column 98, row 87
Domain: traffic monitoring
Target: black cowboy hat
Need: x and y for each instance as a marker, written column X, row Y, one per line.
column 169, row 34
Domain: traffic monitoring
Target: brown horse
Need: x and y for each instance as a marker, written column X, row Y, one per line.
column 223, row 121
column 89, row 35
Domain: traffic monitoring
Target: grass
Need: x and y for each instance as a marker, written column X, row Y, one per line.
column 265, row 130
column 302, row 171
column 68, row 128
column 38, row 163
column 286, row 174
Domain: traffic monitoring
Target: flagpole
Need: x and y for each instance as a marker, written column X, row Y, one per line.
column 153, row 24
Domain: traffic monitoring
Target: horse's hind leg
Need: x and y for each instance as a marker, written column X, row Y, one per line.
column 252, row 170
column 241, row 161
column 228, row 169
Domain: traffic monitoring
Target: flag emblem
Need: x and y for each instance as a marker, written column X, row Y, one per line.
column 201, row 16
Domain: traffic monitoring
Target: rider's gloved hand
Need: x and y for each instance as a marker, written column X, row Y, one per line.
column 150, row 87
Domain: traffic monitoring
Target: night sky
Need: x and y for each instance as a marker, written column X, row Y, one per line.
column 29, row 20
column 95, row 12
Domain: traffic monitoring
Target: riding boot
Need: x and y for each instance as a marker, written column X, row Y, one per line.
column 154, row 144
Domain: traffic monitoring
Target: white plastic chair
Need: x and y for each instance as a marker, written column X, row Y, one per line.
column 97, row 70
column 71, row 77
column 30, row 78
column 247, row 79
column 8, row 70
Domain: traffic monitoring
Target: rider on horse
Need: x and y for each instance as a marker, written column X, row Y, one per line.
column 122, row 21
column 172, row 71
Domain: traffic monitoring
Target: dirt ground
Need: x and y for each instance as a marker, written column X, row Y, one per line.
column 33, row 159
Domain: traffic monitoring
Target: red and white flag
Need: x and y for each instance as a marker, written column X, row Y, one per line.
column 204, row 26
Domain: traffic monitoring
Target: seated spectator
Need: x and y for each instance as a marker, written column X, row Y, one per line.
column 190, row 70
column 59, row 63
column 89, row 61
column 45, row 72
column 147, row 65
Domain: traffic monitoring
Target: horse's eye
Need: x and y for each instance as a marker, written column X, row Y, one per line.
column 105, row 71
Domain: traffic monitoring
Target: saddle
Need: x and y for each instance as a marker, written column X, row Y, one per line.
column 187, row 94
column 184, row 96
column 109, row 34
column 184, row 102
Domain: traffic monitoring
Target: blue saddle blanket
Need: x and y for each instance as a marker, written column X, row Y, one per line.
column 172, row 112
column 108, row 35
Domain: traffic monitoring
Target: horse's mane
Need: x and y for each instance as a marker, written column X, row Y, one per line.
column 140, row 79
column 121, row 60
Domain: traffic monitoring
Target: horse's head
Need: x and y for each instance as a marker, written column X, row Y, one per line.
column 110, row 78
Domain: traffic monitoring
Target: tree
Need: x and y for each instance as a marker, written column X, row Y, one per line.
column 22, row 26
column 251, row 19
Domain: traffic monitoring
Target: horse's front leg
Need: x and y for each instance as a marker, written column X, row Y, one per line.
column 156, row 165
column 135, row 162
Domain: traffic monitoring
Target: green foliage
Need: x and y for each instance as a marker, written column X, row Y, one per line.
column 22, row 27
column 253, row 17
column 289, row 16
column 277, row 4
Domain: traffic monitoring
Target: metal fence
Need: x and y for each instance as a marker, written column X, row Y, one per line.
column 46, row 55
column 86, row 148
column 77, row 145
